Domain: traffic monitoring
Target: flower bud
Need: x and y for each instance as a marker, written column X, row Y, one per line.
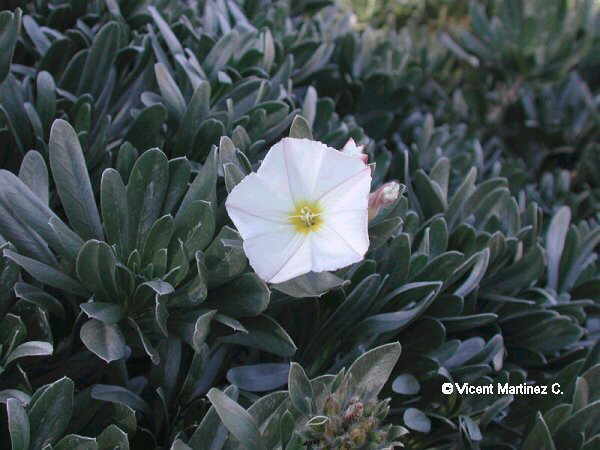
column 386, row 195
column 333, row 427
column 352, row 149
column 358, row 436
column 332, row 406
column 383, row 408
column 370, row 424
column 354, row 411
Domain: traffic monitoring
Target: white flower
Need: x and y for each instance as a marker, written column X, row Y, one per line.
column 351, row 149
column 305, row 209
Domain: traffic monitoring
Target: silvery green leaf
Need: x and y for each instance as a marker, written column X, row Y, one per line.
column 220, row 53
column 50, row 411
column 371, row 371
column 119, row 395
column 26, row 221
column 113, row 437
column 30, row 348
column 145, row 130
column 211, row 433
column 178, row 444
column 300, row 128
column 47, row 274
column 168, row 35
column 18, row 425
column 260, row 377
column 416, row 420
column 100, row 59
column 393, row 322
column 233, row 175
column 169, row 91
column 264, row 333
column 10, row 24
column 204, row 185
column 126, row 158
column 108, row 313
column 224, row 262
column 237, row 420
column 406, row 384
column 476, row 275
column 467, row 322
column 37, row 296
column 300, row 389
column 312, row 284
column 148, row 348
column 198, row 109
column 309, row 106
column 76, row 442
column 73, row 184
column 202, row 328
column 245, row 296
column 96, row 268
column 104, row 340
column 16, row 394
column 431, row 195
column 115, row 211
column 146, row 192
column 34, row 173
column 158, row 238
column 539, row 436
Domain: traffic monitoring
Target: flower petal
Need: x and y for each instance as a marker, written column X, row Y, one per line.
column 294, row 165
column 332, row 250
column 357, row 151
column 337, row 168
column 352, row 226
column 298, row 264
column 255, row 208
column 278, row 256
column 351, row 194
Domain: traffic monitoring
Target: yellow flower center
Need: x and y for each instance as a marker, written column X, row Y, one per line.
column 306, row 217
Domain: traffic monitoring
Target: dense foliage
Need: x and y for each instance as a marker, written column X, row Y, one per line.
column 129, row 315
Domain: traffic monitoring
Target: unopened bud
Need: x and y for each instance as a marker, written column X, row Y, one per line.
column 382, row 410
column 333, row 427
column 358, row 436
column 352, row 149
column 354, row 411
column 370, row 424
column 385, row 196
column 332, row 406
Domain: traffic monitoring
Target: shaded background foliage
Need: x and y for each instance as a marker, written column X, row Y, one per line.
column 129, row 315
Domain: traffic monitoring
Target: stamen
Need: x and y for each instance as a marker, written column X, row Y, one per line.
column 307, row 217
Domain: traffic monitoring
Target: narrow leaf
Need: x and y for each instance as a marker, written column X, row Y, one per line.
column 73, row 182
column 237, row 420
